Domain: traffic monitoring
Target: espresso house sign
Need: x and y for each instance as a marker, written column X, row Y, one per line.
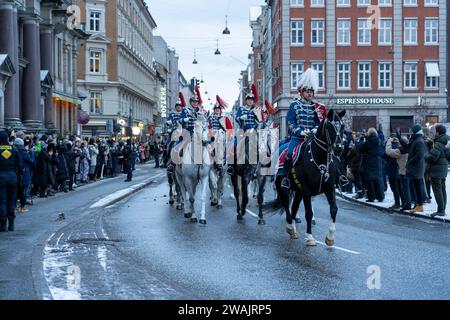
column 364, row 101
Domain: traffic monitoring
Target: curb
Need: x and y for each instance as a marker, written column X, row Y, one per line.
column 339, row 194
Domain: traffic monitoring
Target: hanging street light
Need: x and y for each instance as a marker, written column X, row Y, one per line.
column 217, row 50
column 226, row 30
column 195, row 58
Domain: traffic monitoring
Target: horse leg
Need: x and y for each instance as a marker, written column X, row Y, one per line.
column 295, row 206
column 331, row 197
column 213, row 186
column 310, row 241
column 171, row 199
column 283, row 195
column 244, row 195
column 191, row 192
column 255, row 186
column 220, row 186
column 262, row 184
column 234, row 181
column 203, row 200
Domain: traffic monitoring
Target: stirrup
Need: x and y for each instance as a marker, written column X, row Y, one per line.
column 286, row 183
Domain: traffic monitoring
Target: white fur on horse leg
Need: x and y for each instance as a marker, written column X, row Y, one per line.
column 310, row 241
column 203, row 199
column 331, row 231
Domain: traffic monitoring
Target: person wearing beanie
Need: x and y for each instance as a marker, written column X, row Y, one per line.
column 10, row 163
column 24, row 180
column 415, row 166
column 438, row 168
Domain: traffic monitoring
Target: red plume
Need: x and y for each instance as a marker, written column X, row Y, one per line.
column 183, row 102
column 197, row 91
column 221, row 103
column 322, row 108
column 255, row 93
column 271, row 110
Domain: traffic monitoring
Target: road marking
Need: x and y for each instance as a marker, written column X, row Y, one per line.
column 251, row 213
column 337, row 248
column 122, row 193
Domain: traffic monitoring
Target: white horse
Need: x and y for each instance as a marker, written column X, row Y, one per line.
column 195, row 167
column 217, row 174
column 175, row 178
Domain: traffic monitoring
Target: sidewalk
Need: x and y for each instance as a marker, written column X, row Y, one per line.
column 429, row 208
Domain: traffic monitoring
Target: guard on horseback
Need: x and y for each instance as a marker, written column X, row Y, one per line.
column 173, row 121
column 302, row 118
column 246, row 117
column 189, row 115
column 217, row 122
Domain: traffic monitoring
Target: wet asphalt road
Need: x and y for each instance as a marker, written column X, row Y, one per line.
column 142, row 248
column 230, row 260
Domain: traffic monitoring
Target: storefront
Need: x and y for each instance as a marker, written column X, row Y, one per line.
column 65, row 113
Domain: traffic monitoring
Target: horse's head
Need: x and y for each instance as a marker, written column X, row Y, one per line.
column 333, row 129
column 201, row 128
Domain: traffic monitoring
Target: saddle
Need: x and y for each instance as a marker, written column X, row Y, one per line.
column 298, row 150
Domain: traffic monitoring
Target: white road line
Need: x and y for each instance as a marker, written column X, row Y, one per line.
column 337, row 248
column 251, row 213
column 104, row 234
column 53, row 234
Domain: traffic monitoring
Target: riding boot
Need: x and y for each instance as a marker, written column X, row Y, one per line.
column 230, row 170
column 285, row 183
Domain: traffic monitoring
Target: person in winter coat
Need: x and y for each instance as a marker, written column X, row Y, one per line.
column 393, row 151
column 41, row 175
column 415, row 167
column 393, row 172
column 438, row 168
column 62, row 173
column 84, row 162
column 93, row 153
column 371, row 150
column 24, row 181
column 70, row 155
column 354, row 159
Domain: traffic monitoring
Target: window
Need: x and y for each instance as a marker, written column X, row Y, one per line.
column 385, row 3
column 364, row 76
column 317, row 3
column 410, row 30
column 410, row 3
column 297, row 32
column 385, row 75
column 297, row 3
column 363, row 3
column 432, row 75
column 296, row 72
column 94, row 21
column 343, row 26
column 385, row 31
column 95, row 59
column 96, row 103
column 431, row 3
column 344, row 75
column 364, row 32
column 410, row 76
column 431, row 31
column 343, row 3
column 317, row 32
column 319, row 67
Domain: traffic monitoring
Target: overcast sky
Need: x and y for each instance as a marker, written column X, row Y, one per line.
column 196, row 24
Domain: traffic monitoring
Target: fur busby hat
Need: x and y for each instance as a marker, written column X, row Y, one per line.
column 309, row 80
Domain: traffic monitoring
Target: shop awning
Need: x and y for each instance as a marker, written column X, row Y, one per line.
column 432, row 69
column 63, row 97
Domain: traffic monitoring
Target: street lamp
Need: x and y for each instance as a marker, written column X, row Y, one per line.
column 195, row 58
column 217, row 50
column 226, row 30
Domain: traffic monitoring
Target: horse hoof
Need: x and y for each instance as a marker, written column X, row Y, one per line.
column 329, row 242
column 194, row 220
column 239, row 217
column 292, row 233
column 261, row 222
column 298, row 220
column 202, row 221
column 313, row 222
column 311, row 243
column 219, row 206
column 187, row 215
column 243, row 213
column 171, row 202
column 213, row 204
column 179, row 207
